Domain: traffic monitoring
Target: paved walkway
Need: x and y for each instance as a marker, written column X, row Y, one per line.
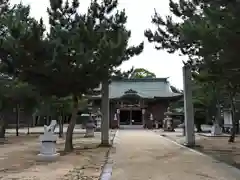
column 145, row 155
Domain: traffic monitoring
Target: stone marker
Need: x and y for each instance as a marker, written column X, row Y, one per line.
column 48, row 146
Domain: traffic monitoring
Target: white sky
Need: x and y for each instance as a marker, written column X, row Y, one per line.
column 139, row 19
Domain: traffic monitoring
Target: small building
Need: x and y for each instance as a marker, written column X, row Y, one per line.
column 138, row 102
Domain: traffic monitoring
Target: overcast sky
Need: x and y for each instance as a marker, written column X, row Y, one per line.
column 139, row 14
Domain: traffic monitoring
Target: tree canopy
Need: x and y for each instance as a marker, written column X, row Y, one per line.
column 134, row 73
column 207, row 33
column 142, row 73
column 80, row 50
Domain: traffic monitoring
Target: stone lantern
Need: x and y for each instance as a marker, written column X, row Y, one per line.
column 168, row 121
column 90, row 127
column 150, row 121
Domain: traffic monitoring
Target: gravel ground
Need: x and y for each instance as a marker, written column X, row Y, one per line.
column 18, row 160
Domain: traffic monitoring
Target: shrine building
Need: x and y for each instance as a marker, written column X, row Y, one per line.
column 136, row 102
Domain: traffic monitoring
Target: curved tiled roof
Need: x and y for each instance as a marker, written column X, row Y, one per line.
column 146, row 88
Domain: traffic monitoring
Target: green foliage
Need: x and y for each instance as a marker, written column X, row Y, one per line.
column 207, row 34
column 112, row 38
column 118, row 74
column 55, row 106
column 133, row 73
column 76, row 55
column 142, row 73
column 19, row 34
column 15, row 92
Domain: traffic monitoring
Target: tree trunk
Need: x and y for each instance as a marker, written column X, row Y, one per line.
column 218, row 114
column 2, row 128
column 69, row 134
column 208, row 119
column 233, row 132
column 105, row 114
column 218, row 105
column 49, row 119
column 17, row 119
column 28, row 128
column 199, row 128
column 33, row 121
column 60, row 124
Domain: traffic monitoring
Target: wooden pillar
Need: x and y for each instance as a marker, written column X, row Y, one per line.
column 143, row 117
column 143, row 112
column 118, row 117
column 130, row 116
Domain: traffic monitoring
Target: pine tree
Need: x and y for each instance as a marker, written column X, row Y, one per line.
column 79, row 52
column 208, row 34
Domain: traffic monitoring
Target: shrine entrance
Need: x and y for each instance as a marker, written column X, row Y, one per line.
column 125, row 117
column 130, row 109
column 131, row 117
column 137, row 117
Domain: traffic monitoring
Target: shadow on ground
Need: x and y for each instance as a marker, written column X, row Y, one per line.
column 221, row 150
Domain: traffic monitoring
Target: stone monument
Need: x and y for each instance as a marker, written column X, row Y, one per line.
column 168, row 121
column 48, row 146
column 90, row 127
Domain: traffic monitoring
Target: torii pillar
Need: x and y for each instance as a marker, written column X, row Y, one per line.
column 188, row 107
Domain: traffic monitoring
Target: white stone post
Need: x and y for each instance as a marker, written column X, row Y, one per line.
column 188, row 107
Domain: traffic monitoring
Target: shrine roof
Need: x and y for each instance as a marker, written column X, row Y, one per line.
column 145, row 88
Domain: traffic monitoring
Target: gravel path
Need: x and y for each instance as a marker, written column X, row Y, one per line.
column 145, row 155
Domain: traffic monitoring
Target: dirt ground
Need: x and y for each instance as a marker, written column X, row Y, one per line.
column 219, row 148
column 18, row 159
